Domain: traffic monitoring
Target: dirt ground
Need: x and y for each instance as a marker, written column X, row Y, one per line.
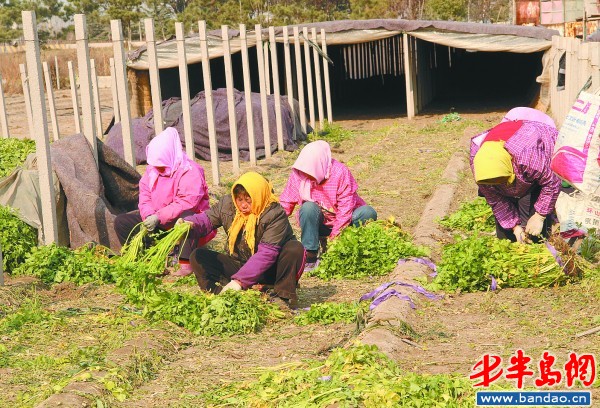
column 398, row 164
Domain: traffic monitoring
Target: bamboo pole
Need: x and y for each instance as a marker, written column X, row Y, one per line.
column 96, row 94
column 74, row 97
column 3, row 115
column 267, row 68
column 40, row 131
column 50, row 94
column 326, row 75
column 210, row 112
column 233, row 134
column 185, row 91
column 299, row 79
column 263, row 92
column 318, row 80
column 85, row 85
column 309, row 79
column 248, row 95
column 122, row 90
column 113, row 89
column 27, row 96
column 276, row 90
column 154, row 76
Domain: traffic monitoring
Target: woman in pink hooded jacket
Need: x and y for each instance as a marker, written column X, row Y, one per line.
column 326, row 193
column 172, row 187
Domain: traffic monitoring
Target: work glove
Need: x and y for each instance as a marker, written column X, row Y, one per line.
column 535, row 224
column 233, row 285
column 151, row 222
column 182, row 221
column 519, row 233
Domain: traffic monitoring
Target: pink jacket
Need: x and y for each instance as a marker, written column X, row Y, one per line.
column 173, row 183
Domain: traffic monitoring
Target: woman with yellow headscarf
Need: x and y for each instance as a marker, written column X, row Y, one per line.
column 261, row 247
column 511, row 165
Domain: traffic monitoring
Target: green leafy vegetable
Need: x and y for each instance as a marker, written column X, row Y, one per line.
column 369, row 250
column 471, row 216
column 13, row 153
column 17, row 238
column 329, row 312
column 359, row 376
column 469, row 263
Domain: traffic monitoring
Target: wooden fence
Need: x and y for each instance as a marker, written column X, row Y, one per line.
column 89, row 122
column 580, row 70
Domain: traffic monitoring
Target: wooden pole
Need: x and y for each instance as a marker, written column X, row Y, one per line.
column 74, row 97
column 210, row 113
column 309, row 79
column 318, row 80
column 154, row 76
column 267, row 68
column 289, row 89
column 113, row 89
column 122, row 90
column 185, row 91
column 276, row 90
column 408, row 69
column 3, row 115
column 48, row 80
column 235, row 152
column 326, row 75
column 40, row 131
column 57, row 73
column 27, row 96
column 263, row 92
column 96, row 94
column 85, row 85
column 248, row 95
column 299, row 79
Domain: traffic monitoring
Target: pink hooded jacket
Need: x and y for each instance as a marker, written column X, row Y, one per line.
column 181, row 187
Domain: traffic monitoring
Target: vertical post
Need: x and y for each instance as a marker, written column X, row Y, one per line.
column 122, row 91
column 318, row 79
column 74, row 97
column 408, row 72
column 248, row 94
column 276, row 90
column 263, row 92
column 309, row 80
column 40, row 131
column 85, row 86
column 235, row 152
column 326, row 75
column 154, row 76
column 267, row 68
column 113, row 89
column 185, row 91
column 48, row 80
column 96, row 95
column 27, row 96
column 299, row 79
column 57, row 73
column 210, row 113
column 3, row 115
column 289, row 89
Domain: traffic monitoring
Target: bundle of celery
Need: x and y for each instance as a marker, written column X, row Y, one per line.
column 470, row 263
column 471, row 216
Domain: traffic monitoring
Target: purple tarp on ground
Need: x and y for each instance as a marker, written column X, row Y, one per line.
column 143, row 128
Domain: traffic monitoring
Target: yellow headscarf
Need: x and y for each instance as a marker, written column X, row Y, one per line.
column 261, row 193
column 493, row 161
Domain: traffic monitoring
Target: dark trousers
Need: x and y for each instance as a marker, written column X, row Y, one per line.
column 526, row 209
column 211, row 267
column 127, row 225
